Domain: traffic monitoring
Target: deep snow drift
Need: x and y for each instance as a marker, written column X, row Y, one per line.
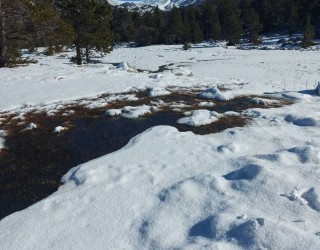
column 255, row 187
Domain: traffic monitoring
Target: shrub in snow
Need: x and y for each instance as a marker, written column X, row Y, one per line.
column 50, row 51
column 186, row 46
column 318, row 88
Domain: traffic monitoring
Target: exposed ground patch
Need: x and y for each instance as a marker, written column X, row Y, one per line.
column 36, row 157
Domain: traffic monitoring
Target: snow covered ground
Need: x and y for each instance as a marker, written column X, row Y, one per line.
column 255, row 187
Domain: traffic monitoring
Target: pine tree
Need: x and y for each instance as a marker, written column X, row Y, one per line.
column 308, row 36
column 159, row 27
column 210, row 21
column 91, row 23
column 231, row 28
column 186, row 25
column 123, row 25
column 174, row 30
column 254, row 27
column 136, row 19
column 13, row 15
column 293, row 17
column 148, row 19
column 145, row 36
column 45, row 26
column 195, row 31
column 264, row 9
column 246, row 7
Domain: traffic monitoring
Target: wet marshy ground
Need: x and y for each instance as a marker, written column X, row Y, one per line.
column 34, row 160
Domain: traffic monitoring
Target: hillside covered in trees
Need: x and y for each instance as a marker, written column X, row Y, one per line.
column 87, row 24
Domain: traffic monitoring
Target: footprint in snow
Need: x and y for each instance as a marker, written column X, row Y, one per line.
column 207, row 228
column 312, row 198
column 58, row 78
column 246, row 233
column 307, row 197
column 301, row 121
column 306, row 154
column 228, row 148
column 248, row 172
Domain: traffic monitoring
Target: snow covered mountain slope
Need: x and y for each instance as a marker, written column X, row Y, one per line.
column 162, row 4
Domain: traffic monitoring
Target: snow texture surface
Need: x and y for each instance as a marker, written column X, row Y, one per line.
column 255, row 187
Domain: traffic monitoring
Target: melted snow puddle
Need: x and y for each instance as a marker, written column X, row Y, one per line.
column 41, row 147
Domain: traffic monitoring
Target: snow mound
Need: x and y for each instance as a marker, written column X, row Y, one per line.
column 31, row 126
column 59, row 129
column 258, row 101
column 125, row 66
column 132, row 112
column 213, row 93
column 157, row 91
column 165, row 190
column 262, row 101
column 206, row 104
column 199, row 118
column 181, row 71
column 135, row 112
column 113, row 112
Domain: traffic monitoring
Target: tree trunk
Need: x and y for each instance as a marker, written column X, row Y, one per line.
column 87, row 54
column 78, row 51
column 3, row 40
